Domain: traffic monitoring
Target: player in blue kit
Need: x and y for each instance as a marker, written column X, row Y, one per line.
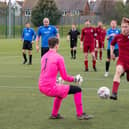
column 28, row 37
column 45, row 32
column 111, row 33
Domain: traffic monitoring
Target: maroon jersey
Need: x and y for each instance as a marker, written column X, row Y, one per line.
column 99, row 32
column 103, row 34
column 87, row 35
column 123, row 45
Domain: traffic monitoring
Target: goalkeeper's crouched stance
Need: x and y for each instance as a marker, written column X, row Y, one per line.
column 51, row 64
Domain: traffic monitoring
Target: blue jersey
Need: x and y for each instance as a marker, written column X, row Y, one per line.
column 28, row 34
column 46, row 32
column 109, row 32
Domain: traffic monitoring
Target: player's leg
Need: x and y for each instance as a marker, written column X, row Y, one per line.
column 100, row 53
column 71, row 48
column 116, row 81
column 24, row 51
column 92, row 51
column 86, row 61
column 76, row 90
column 30, row 57
column 107, row 64
column 96, row 49
column 75, row 49
column 30, row 53
column 93, row 60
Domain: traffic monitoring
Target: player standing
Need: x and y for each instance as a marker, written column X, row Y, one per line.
column 88, row 44
column 45, row 32
column 111, row 33
column 99, row 40
column 51, row 64
column 28, row 36
column 123, row 60
column 73, row 37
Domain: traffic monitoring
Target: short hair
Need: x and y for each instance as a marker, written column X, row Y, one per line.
column 53, row 41
column 27, row 22
column 125, row 20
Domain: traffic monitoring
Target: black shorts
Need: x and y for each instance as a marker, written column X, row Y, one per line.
column 27, row 45
column 73, row 44
column 44, row 50
column 116, row 53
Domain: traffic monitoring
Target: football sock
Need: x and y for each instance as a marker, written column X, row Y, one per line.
column 78, row 103
column 24, row 56
column 100, row 55
column 56, row 106
column 30, row 59
column 86, row 64
column 72, row 53
column 75, row 53
column 94, row 63
column 96, row 54
column 107, row 65
column 115, row 87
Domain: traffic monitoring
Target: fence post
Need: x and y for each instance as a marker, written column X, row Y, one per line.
column 6, row 15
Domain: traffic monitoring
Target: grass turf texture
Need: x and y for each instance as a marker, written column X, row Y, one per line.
column 22, row 106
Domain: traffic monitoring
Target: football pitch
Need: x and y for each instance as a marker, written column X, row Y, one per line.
column 22, row 106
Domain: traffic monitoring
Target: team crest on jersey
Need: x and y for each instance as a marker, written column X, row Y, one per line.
column 49, row 28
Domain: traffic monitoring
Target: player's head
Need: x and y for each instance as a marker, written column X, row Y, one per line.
column 27, row 25
column 53, row 43
column 73, row 26
column 100, row 24
column 113, row 24
column 87, row 23
column 125, row 26
column 45, row 21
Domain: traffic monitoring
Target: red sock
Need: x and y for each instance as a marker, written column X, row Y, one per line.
column 115, row 87
column 100, row 55
column 86, row 64
column 94, row 63
column 96, row 54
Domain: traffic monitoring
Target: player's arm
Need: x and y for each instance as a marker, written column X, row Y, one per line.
column 82, row 38
column 37, row 40
column 63, row 72
column 114, row 41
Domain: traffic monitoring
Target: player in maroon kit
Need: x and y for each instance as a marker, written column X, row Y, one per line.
column 99, row 40
column 88, row 43
column 123, row 60
column 103, row 36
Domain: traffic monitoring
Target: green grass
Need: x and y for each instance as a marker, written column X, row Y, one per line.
column 22, row 106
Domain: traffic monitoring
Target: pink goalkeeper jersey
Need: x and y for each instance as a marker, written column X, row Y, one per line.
column 51, row 64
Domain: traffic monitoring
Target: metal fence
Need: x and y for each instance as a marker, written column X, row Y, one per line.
column 18, row 19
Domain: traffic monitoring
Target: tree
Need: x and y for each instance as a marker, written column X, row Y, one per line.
column 45, row 8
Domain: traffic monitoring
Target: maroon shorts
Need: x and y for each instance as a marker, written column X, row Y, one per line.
column 125, row 66
column 88, row 48
column 100, row 44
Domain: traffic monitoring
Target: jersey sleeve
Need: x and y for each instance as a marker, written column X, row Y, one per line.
column 34, row 35
column 55, row 30
column 63, row 72
column 39, row 32
column 82, row 35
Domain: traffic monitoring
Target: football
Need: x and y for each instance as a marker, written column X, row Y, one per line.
column 103, row 92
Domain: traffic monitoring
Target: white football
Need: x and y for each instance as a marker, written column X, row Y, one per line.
column 103, row 92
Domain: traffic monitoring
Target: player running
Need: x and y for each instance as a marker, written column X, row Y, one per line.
column 111, row 33
column 73, row 36
column 28, row 37
column 88, row 44
column 123, row 60
column 45, row 32
column 51, row 64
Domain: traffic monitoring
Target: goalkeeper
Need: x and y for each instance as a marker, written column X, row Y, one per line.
column 51, row 64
